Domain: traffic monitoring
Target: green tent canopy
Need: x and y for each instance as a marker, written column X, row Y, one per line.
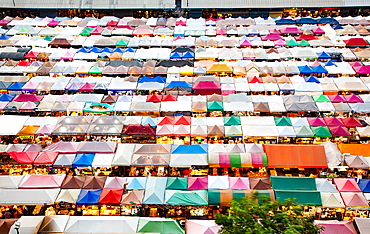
column 304, row 43
column 223, row 197
column 177, row 183
column 320, row 98
column 283, row 121
column 233, row 120
column 321, row 131
column 99, row 107
column 293, row 183
column 215, row 106
column 303, row 131
column 48, row 38
column 96, row 70
column 86, row 31
column 186, row 198
column 122, row 43
column 22, row 31
column 159, row 225
column 306, row 197
column 292, row 42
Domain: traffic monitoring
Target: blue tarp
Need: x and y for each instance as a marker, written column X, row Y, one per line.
column 190, row 149
column 4, row 37
column 157, row 79
column 95, row 50
column 364, row 185
column 179, row 84
column 83, row 50
column 319, row 69
column 17, row 86
column 188, row 55
column 138, row 183
column 330, row 63
column 175, row 56
column 118, row 50
column 89, row 196
column 7, row 97
column 108, row 50
column 327, row 21
column 335, row 27
column 154, row 190
column 129, row 49
column 285, row 21
column 305, row 70
column 83, row 160
column 306, row 21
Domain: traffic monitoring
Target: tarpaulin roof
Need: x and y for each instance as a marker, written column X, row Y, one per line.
column 42, row 181
column 308, row 197
column 179, row 197
column 177, row 183
column 28, row 196
column 159, row 225
column 293, row 183
column 346, row 185
column 296, row 156
column 73, row 182
column 134, row 197
column 237, row 159
column 94, row 182
column 355, row 149
column 111, row 196
column 138, row 183
column 354, row 199
column 89, row 196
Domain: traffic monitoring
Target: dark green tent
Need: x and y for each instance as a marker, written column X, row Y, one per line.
column 293, row 183
column 177, row 183
column 283, row 121
column 321, row 131
column 233, row 120
column 306, row 197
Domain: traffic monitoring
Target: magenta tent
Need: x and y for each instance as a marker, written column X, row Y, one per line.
column 97, row 31
column 221, row 31
column 354, row 199
column 318, row 31
column 27, row 98
column 139, row 130
column 280, row 43
column 201, row 226
column 335, row 226
column 198, row 183
column 87, row 87
column 333, row 121
column 339, row 131
column 336, row 98
column 206, row 88
column 291, row 30
column 42, row 181
column 361, row 70
column 63, row 147
column 272, row 37
column 246, row 43
column 316, row 122
column 239, row 183
column 53, row 23
column 351, row 98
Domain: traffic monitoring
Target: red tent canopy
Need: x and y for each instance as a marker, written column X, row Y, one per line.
column 42, row 181
column 351, row 122
column 316, row 122
column 291, row 30
column 346, row 185
column 206, row 88
column 272, row 37
column 333, row 121
column 46, row 158
column 31, row 55
column 255, row 79
column 111, row 196
column 339, row 131
column 139, row 130
column 356, row 42
column 168, row 120
column 24, row 63
column 306, row 37
column 24, row 157
column 112, row 23
column 318, row 31
column 169, row 97
column 182, row 120
column 154, row 98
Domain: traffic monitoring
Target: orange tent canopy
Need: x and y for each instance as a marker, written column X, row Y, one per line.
column 295, row 156
column 355, row 149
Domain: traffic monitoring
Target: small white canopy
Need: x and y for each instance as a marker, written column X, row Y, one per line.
column 10, row 182
column 68, row 195
column 29, row 225
column 218, row 182
column 54, row 224
column 123, row 155
column 332, row 200
column 102, row 160
column 28, row 196
column 323, row 185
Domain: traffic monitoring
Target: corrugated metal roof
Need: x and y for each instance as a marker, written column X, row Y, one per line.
column 90, row 4
column 271, row 3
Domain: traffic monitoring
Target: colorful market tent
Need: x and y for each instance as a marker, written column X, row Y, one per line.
column 176, row 183
column 138, row 183
column 308, row 197
column 293, row 183
column 159, row 225
column 198, row 183
column 202, row 227
column 335, row 226
column 42, row 181
column 346, row 185
column 180, row 197
column 89, row 196
column 134, row 197
column 154, row 190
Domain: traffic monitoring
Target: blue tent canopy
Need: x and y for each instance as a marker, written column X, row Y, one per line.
column 89, row 196
column 337, row 27
column 162, row 19
column 323, row 55
column 190, row 149
column 175, row 56
column 188, row 55
column 138, row 183
column 311, row 79
column 327, row 21
column 149, row 120
column 330, row 63
column 306, row 21
column 108, row 50
column 83, row 50
column 364, row 185
column 118, row 50
column 129, row 49
column 178, row 84
column 305, row 70
column 7, row 97
column 4, row 37
column 319, row 69
column 83, row 160
column 154, row 190
column 16, row 86
column 95, row 50
column 285, row 21
column 157, row 79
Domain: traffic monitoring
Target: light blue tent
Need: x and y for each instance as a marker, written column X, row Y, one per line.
column 190, row 149
column 154, row 190
column 149, row 120
column 137, row 183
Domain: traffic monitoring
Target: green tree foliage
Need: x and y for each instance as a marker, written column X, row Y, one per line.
column 269, row 217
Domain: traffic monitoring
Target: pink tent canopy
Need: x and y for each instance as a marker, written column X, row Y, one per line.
column 30, row 86
column 221, row 31
column 45, row 130
column 46, row 158
column 339, row 131
column 3, row 104
column 63, row 147
column 351, row 98
column 42, row 181
column 28, row 106
column 97, row 31
column 354, row 199
column 64, row 98
column 239, row 183
column 316, row 122
column 198, row 183
column 28, row 98
column 142, row 32
column 272, row 37
column 115, row 183
column 246, row 43
column 337, row 98
column 335, row 226
column 87, row 87
column 53, row 23
column 291, row 30
column 280, row 43
column 68, row 55
column 318, row 31
column 201, row 227
column 346, row 185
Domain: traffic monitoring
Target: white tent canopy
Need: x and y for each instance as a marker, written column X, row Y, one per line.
column 10, row 182
column 68, row 195
column 332, row 200
column 28, row 196
column 123, row 155
column 29, row 225
column 54, row 224
column 218, row 182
